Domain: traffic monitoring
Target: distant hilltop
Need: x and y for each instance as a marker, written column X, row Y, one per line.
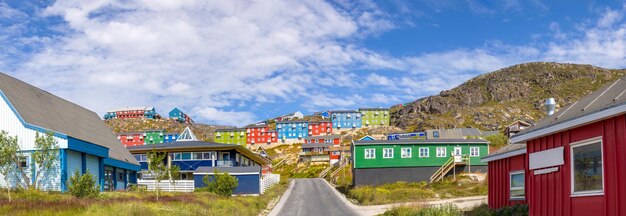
column 493, row 100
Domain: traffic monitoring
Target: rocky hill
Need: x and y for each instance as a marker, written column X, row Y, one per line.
column 203, row 132
column 493, row 100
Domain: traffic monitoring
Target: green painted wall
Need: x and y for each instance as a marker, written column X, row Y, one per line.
column 415, row 160
column 153, row 137
column 231, row 137
column 373, row 118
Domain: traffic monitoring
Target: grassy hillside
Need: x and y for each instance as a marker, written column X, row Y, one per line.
column 493, row 100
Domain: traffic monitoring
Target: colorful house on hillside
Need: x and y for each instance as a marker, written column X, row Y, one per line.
column 132, row 113
column 574, row 160
column 292, row 131
column 154, row 136
column 235, row 136
column 334, row 139
column 180, row 116
column 170, row 137
column 318, row 128
column 131, row 139
column 376, row 162
column 346, row 119
column 371, row 117
column 517, row 126
column 198, row 159
column 260, row 134
column 85, row 143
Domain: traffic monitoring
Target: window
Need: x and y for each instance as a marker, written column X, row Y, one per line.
column 186, row 156
column 424, row 152
column 406, row 153
column 370, row 153
column 436, row 134
column 120, row 176
column 474, row 151
column 207, row 155
column 178, row 156
column 587, row 165
column 441, row 151
column 196, row 156
column 23, row 162
column 517, row 185
column 387, row 153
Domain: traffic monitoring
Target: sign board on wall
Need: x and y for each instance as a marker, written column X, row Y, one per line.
column 546, row 158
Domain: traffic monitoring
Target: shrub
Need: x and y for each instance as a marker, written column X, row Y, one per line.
column 484, row 210
column 497, row 140
column 83, row 185
column 221, row 183
column 442, row 210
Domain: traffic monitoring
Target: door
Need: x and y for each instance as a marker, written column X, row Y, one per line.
column 457, row 151
column 224, row 159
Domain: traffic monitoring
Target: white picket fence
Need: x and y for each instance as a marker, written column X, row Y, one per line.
column 268, row 180
column 186, row 186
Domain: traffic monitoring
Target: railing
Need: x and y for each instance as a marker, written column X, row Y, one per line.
column 447, row 166
column 268, row 180
column 186, row 186
column 224, row 163
column 325, row 172
column 334, row 173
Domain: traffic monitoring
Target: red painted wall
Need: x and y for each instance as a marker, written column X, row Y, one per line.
column 549, row 194
column 137, row 139
column 335, row 141
column 129, row 114
column 261, row 135
column 320, row 128
column 499, row 180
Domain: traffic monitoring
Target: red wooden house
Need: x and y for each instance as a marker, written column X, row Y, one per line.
column 334, row 139
column 131, row 139
column 320, row 128
column 260, row 134
column 506, row 176
column 576, row 158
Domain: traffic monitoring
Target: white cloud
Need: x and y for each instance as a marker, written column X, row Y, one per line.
column 221, row 117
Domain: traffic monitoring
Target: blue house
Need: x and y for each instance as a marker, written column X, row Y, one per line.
column 170, row 137
column 292, row 130
column 85, row 142
column 180, row 116
column 346, row 119
column 198, row 159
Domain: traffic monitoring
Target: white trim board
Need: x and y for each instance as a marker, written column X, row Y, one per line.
column 502, row 156
column 570, row 124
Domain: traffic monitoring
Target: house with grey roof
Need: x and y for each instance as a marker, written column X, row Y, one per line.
column 85, row 143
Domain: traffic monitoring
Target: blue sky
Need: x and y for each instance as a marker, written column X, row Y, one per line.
column 236, row 62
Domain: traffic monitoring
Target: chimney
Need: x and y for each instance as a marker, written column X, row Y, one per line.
column 550, row 105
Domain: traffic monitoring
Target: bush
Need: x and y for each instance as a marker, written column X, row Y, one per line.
column 484, row 210
column 442, row 210
column 497, row 140
column 221, row 183
column 83, row 185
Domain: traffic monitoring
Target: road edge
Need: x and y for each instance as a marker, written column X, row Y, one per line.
column 283, row 200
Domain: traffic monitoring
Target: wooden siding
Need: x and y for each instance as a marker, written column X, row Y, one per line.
column 550, row 194
column 500, row 181
column 415, row 160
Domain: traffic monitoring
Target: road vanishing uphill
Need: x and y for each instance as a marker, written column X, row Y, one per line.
column 312, row 197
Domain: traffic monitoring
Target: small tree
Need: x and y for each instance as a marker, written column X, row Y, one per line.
column 8, row 149
column 83, row 185
column 160, row 170
column 497, row 140
column 43, row 158
column 221, row 183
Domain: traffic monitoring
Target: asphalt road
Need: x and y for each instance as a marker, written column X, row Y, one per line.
column 312, row 197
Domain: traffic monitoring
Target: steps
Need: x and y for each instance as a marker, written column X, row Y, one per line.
column 334, row 173
column 447, row 167
column 325, row 171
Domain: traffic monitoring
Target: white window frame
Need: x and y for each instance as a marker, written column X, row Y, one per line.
column 511, row 188
column 460, row 150
column 591, row 141
column 403, row 153
column 372, row 154
column 477, row 152
column 445, row 152
column 427, row 152
column 386, row 156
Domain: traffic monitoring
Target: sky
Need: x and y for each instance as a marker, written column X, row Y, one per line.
column 238, row 62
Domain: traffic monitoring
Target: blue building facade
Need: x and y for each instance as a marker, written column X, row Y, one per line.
column 292, row 129
column 346, row 119
column 198, row 159
column 170, row 137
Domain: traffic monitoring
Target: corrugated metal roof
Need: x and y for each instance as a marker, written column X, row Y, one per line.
column 49, row 111
column 235, row 170
column 316, row 145
column 611, row 95
column 506, row 149
column 144, row 108
column 417, row 141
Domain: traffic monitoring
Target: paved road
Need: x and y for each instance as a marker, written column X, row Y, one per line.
column 312, row 197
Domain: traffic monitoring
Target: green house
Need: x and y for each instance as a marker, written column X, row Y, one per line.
column 231, row 136
column 371, row 117
column 376, row 162
column 153, row 136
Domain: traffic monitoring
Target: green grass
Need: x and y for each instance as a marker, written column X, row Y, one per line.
column 137, row 203
column 443, row 210
column 415, row 192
